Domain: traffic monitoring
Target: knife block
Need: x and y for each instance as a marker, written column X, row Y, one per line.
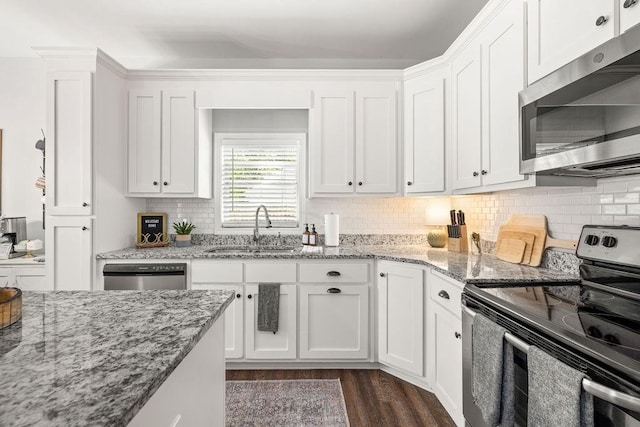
column 459, row 244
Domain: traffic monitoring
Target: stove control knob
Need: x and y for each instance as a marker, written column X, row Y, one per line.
column 592, row 240
column 609, row 241
column 592, row 331
column 611, row 339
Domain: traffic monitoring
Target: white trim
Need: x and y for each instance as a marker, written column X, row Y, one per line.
column 265, row 74
column 218, row 137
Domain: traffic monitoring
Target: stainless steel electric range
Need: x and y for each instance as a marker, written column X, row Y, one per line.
column 593, row 326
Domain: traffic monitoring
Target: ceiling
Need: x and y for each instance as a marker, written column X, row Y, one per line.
column 143, row 34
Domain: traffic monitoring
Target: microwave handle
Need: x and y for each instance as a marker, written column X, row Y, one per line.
column 607, row 394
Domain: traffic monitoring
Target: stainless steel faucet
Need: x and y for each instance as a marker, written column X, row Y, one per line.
column 256, row 232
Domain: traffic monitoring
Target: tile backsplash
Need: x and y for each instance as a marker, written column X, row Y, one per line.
column 614, row 201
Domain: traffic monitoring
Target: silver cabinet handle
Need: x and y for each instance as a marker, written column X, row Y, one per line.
column 84, row 228
column 605, row 393
column 382, row 274
column 628, row 3
column 333, row 291
column 85, row 204
column 601, row 20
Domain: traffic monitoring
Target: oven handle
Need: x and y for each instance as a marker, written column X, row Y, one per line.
column 607, row 394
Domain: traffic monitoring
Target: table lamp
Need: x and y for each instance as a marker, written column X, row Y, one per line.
column 437, row 216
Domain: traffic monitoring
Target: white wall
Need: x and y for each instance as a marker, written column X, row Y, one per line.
column 22, row 115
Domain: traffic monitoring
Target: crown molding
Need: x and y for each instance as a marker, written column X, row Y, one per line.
column 265, row 74
column 114, row 66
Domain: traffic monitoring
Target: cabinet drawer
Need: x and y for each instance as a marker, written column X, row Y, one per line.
column 446, row 292
column 273, row 271
column 216, row 272
column 334, row 273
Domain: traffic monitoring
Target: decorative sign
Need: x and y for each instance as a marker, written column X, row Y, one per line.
column 152, row 230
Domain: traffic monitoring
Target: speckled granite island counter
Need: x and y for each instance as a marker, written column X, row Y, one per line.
column 96, row 358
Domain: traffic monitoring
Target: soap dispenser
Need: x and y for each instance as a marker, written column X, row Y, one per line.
column 306, row 235
column 313, row 237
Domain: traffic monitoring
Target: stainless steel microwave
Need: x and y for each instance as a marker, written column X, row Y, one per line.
column 583, row 120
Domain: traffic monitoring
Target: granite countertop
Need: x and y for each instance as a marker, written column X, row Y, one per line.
column 95, row 358
column 465, row 267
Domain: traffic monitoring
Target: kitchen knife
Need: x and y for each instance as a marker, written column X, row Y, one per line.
column 462, row 221
column 452, row 213
column 459, row 217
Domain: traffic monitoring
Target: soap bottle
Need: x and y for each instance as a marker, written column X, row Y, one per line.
column 306, row 235
column 313, row 237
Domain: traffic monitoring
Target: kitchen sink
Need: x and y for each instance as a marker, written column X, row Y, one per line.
column 251, row 249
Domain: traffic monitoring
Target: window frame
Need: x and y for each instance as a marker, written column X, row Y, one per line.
column 251, row 138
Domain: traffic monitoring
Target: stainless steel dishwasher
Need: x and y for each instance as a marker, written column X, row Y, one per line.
column 140, row 277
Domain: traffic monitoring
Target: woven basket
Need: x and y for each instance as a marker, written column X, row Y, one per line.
column 10, row 306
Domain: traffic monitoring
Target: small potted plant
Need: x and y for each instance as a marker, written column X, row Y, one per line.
column 183, row 232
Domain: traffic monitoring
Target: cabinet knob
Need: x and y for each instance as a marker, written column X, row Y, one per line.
column 155, row 182
column 350, row 183
column 409, row 183
column 249, row 296
column 238, row 295
column 628, row 3
column 84, row 228
column 360, row 183
column 484, row 172
column 458, row 335
column 85, row 204
column 165, row 183
column 475, row 173
column 443, row 294
column 601, row 20
column 333, row 291
column 382, row 274
column 333, row 273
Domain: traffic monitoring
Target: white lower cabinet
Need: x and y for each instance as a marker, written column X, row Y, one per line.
column 26, row 278
column 401, row 316
column 333, row 321
column 444, row 343
column 233, row 319
column 267, row 345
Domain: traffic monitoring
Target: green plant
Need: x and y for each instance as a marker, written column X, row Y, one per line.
column 184, row 227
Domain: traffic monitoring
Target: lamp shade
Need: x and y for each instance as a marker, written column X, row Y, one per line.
column 437, row 212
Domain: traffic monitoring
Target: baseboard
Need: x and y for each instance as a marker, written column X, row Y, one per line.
column 299, row 365
column 405, row 376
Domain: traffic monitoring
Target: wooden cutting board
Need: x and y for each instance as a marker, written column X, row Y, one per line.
column 511, row 250
column 528, row 238
column 537, row 225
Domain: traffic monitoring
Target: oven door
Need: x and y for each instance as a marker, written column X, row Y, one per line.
column 612, row 407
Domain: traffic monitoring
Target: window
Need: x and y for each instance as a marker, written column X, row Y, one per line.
column 254, row 170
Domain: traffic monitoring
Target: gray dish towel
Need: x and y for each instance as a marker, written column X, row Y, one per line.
column 555, row 393
column 493, row 373
column 268, row 306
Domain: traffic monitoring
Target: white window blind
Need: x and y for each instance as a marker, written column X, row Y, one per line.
column 259, row 174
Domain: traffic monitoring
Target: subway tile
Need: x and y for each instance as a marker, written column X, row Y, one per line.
column 626, row 198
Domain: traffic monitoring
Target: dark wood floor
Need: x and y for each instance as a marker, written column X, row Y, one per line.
column 373, row 397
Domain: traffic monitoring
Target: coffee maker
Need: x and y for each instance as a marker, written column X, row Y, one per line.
column 13, row 230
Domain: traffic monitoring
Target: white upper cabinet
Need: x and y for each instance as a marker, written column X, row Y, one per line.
column 69, row 131
column 486, row 78
column 424, row 135
column 164, row 150
column 503, row 76
column 353, row 141
column 376, row 140
column 466, row 116
column 560, row 31
column 332, row 128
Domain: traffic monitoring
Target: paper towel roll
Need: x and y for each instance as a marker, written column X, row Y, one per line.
column 331, row 229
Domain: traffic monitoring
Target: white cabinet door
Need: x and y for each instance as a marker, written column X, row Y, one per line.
column 447, row 381
column 376, row 140
column 144, row 141
column 7, row 277
column 69, row 253
column 466, row 111
column 629, row 14
column 69, row 138
column 178, row 142
column 334, row 321
column 502, row 78
column 424, row 137
column 560, row 31
column 267, row 345
column 30, row 278
column 331, row 142
column 233, row 319
column 401, row 316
